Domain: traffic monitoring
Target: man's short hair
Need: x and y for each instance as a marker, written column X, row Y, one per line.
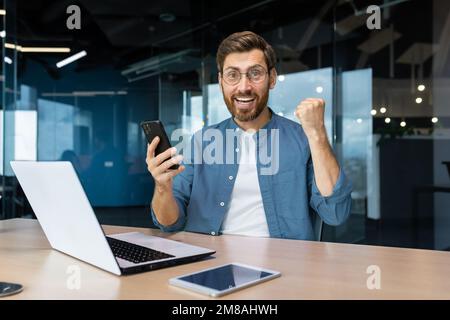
column 243, row 42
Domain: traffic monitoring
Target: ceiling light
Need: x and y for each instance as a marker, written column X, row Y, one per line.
column 319, row 89
column 2, row 33
column 71, row 59
column 167, row 17
column 84, row 93
column 421, row 87
column 359, row 120
column 419, row 100
column 93, row 93
column 383, row 110
column 37, row 49
column 45, row 49
column 403, row 124
column 2, row 12
column 281, row 78
column 12, row 46
column 373, row 112
column 387, row 120
column 434, row 119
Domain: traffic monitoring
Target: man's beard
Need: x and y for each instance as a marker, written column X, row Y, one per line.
column 247, row 115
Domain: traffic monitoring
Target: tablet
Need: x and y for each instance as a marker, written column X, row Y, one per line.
column 224, row 279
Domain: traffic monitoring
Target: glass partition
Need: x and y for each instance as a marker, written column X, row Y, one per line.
column 385, row 84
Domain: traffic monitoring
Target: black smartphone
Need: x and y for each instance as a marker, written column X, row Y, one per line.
column 154, row 129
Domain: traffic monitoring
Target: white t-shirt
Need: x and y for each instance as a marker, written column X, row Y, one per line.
column 246, row 214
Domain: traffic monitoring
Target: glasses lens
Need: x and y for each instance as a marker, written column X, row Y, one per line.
column 232, row 77
column 256, row 74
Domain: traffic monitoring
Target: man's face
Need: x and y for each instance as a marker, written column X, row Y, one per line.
column 246, row 99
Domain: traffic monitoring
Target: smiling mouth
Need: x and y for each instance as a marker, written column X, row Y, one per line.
column 244, row 101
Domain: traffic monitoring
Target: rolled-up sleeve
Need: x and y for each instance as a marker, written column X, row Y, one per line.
column 181, row 191
column 182, row 188
column 335, row 208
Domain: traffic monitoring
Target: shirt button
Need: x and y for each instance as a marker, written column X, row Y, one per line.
column 213, row 233
column 222, row 204
column 230, row 177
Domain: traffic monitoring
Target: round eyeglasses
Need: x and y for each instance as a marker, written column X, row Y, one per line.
column 254, row 75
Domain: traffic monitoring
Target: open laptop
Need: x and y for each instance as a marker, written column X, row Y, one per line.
column 66, row 216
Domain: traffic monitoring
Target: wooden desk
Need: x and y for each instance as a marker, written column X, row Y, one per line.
column 310, row 270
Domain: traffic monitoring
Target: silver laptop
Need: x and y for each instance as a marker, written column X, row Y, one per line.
column 66, row 216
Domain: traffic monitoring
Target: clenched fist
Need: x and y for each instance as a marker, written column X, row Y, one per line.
column 311, row 112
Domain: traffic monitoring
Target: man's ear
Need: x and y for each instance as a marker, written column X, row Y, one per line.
column 272, row 78
column 219, row 78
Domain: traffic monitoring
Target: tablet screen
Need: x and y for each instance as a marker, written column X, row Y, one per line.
column 226, row 277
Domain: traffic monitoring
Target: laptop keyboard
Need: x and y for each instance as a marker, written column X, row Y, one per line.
column 133, row 252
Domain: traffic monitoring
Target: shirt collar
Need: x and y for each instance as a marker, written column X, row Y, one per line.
column 269, row 125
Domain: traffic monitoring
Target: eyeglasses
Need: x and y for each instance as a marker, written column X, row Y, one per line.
column 254, row 75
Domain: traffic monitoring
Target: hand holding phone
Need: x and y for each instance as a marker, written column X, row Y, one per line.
column 153, row 129
column 161, row 162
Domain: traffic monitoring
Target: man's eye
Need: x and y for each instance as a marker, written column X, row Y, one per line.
column 232, row 75
column 255, row 73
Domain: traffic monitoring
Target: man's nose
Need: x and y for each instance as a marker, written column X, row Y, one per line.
column 244, row 84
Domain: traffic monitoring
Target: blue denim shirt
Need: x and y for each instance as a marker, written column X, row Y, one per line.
column 203, row 191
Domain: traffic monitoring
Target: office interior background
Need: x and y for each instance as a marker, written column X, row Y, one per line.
column 387, row 92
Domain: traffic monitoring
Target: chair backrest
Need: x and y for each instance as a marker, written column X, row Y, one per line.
column 317, row 223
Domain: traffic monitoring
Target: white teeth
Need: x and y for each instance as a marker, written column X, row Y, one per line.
column 244, row 100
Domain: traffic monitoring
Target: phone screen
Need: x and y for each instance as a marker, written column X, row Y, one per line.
column 226, row 277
